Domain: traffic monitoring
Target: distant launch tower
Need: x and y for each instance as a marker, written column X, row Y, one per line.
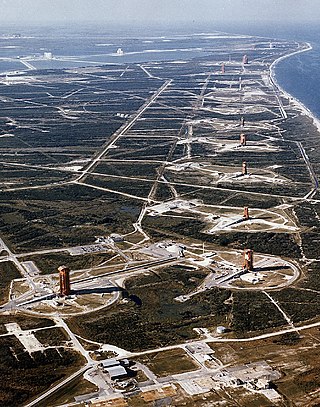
column 223, row 68
column 248, row 260
column 64, row 275
column 243, row 139
column 242, row 121
column 244, row 168
column 246, row 213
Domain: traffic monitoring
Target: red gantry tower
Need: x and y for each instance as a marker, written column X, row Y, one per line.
column 244, row 168
column 243, row 139
column 248, row 260
column 64, row 275
column 245, row 60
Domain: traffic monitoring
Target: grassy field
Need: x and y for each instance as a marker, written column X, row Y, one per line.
column 168, row 362
column 8, row 272
column 18, row 370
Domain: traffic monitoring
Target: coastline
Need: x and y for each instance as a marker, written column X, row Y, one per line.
column 293, row 100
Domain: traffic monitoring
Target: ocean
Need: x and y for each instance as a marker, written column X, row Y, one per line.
column 299, row 75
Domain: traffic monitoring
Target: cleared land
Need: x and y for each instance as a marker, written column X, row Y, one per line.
column 136, row 176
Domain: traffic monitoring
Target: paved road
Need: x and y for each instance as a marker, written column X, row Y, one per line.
column 285, row 316
column 212, row 339
column 199, row 373
column 152, row 263
column 77, row 345
column 120, row 132
column 311, row 171
column 58, row 386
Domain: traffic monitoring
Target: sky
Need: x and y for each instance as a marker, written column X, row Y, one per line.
column 153, row 11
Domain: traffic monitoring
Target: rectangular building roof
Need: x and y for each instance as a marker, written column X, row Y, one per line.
column 110, row 362
column 117, row 371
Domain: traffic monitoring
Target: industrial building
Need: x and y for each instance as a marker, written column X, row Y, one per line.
column 221, row 330
column 115, row 237
column 47, row 55
column 117, row 372
column 115, row 368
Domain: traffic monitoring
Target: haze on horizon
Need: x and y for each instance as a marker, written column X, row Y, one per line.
column 158, row 11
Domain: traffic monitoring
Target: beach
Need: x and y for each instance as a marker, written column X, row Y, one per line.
column 295, row 101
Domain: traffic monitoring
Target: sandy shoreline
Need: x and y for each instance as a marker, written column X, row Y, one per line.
column 296, row 102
